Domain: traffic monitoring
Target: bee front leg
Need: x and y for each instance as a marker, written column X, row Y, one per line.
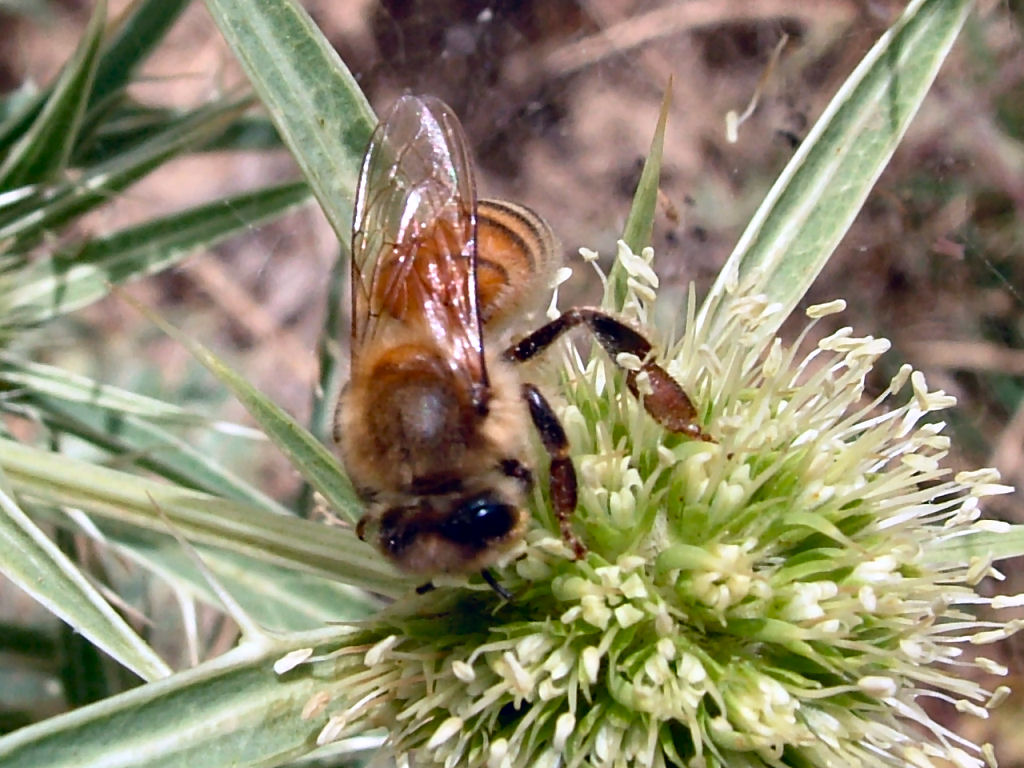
column 665, row 400
column 562, row 477
column 494, row 584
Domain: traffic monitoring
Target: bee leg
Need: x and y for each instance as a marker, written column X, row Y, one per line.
column 562, row 480
column 664, row 399
column 494, row 584
column 361, row 527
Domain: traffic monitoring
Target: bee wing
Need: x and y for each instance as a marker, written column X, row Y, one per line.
column 414, row 236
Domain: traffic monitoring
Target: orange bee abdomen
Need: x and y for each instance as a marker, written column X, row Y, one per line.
column 510, row 239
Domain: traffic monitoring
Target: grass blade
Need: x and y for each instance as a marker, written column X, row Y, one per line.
column 134, row 37
column 77, row 276
column 280, row 599
column 64, row 201
column 38, row 379
column 640, row 222
column 329, row 355
column 136, row 442
column 132, row 125
column 44, row 150
column 131, row 41
column 307, row 454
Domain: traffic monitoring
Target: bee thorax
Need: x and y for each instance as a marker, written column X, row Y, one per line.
column 427, row 414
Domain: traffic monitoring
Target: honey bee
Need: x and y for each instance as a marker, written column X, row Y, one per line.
column 433, row 424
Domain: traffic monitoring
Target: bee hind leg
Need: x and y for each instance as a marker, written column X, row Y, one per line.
column 664, row 399
column 562, row 474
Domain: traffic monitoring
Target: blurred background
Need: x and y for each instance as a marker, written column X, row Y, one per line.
column 559, row 100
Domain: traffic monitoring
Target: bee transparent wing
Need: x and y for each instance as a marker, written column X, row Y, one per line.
column 414, row 236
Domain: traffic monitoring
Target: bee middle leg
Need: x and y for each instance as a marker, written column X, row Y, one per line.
column 562, row 474
column 666, row 401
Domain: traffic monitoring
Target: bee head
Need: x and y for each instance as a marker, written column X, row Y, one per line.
column 464, row 534
column 480, row 520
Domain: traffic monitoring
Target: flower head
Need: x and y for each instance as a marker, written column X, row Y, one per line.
column 786, row 595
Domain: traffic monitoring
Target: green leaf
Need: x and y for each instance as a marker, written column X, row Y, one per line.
column 130, row 43
column 77, row 276
column 19, row 116
column 329, row 355
column 280, row 599
column 232, row 711
column 43, row 151
column 819, row 193
column 248, row 132
column 134, row 441
column 318, row 108
column 36, row 378
column 276, row 597
column 307, row 454
column 132, row 125
column 329, row 350
column 34, row 563
column 26, row 223
column 640, row 222
column 982, row 545
column 292, row 542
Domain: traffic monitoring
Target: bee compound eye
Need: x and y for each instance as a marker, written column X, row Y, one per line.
column 395, row 532
column 478, row 520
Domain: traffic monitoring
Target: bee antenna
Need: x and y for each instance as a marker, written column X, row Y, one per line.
column 495, row 585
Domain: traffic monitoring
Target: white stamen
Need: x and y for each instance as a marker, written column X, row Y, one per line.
column 379, row 649
column 291, row 660
column 445, row 731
